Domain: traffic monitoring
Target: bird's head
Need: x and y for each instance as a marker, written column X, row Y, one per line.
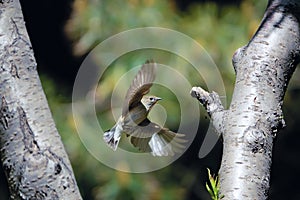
column 149, row 101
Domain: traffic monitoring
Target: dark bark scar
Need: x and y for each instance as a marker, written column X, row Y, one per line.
column 5, row 114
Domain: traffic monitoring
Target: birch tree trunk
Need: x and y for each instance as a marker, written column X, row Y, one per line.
column 263, row 69
column 32, row 154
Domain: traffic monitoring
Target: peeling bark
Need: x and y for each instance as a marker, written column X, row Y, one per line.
column 32, row 154
column 263, row 69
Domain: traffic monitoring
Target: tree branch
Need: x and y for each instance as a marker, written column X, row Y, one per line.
column 211, row 101
column 212, row 104
column 263, row 69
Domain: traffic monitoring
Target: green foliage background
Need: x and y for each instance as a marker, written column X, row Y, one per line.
column 220, row 30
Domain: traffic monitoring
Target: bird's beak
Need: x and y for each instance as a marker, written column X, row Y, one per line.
column 158, row 98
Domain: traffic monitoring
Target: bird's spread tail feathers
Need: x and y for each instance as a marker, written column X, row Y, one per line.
column 112, row 138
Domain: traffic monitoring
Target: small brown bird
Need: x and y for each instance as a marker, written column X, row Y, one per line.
column 144, row 134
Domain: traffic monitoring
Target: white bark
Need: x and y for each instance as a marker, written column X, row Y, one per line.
column 32, row 154
column 263, row 69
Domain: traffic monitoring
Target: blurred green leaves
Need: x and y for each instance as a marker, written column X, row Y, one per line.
column 220, row 30
column 214, row 186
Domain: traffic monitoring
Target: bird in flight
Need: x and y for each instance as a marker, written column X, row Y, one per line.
column 144, row 134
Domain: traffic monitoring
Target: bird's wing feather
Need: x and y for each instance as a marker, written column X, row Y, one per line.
column 166, row 143
column 140, row 86
column 150, row 137
column 141, row 143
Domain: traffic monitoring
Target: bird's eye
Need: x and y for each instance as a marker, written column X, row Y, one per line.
column 151, row 99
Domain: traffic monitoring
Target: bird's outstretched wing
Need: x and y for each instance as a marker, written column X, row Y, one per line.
column 150, row 137
column 140, row 86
